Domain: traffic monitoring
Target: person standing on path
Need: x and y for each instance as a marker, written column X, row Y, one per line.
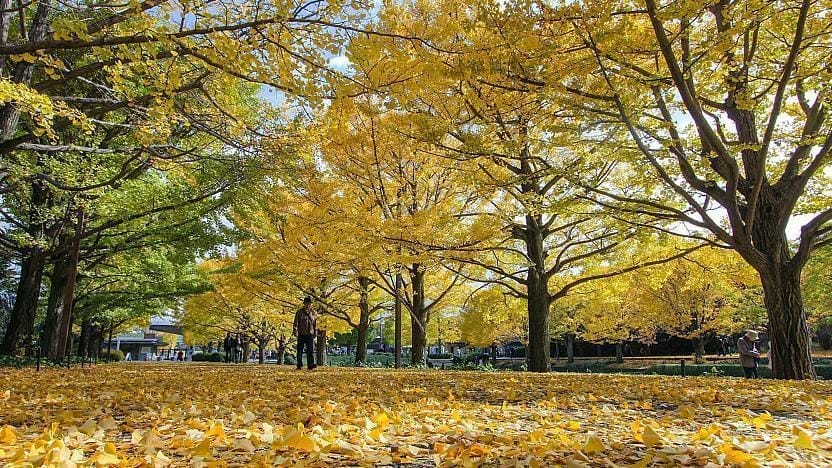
column 749, row 353
column 304, row 329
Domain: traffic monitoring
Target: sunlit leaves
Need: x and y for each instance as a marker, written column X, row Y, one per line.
column 178, row 414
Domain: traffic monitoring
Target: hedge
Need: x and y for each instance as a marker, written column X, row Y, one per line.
column 205, row 357
column 115, row 355
column 440, row 356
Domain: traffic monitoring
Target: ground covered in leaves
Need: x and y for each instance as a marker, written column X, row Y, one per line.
column 214, row 415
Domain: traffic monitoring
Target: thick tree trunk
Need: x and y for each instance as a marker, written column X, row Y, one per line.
column 83, row 341
column 69, row 290
column 94, row 343
column 538, row 309
column 261, row 352
column 320, row 348
column 363, row 320
column 361, row 347
column 397, row 311
column 493, row 355
column 246, row 352
column 570, row 348
column 699, row 349
column 788, row 329
column 619, row 352
column 5, row 21
column 55, row 308
column 281, row 354
column 22, row 320
column 419, row 317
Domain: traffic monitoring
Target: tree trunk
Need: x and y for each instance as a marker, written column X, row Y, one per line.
column 619, row 352
column 261, row 351
column 83, row 341
column 493, row 355
column 281, row 354
column 94, row 343
column 570, row 348
column 22, row 319
column 699, row 349
column 538, row 309
column 320, row 348
column 397, row 338
column 363, row 320
column 69, row 290
column 55, row 308
column 5, row 20
column 788, row 329
column 419, row 317
column 10, row 114
column 246, row 352
column 110, row 342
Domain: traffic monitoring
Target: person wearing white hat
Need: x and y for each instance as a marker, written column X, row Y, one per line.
column 749, row 353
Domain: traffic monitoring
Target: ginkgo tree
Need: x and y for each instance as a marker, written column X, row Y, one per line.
column 93, row 99
column 611, row 311
column 523, row 149
column 492, row 315
column 415, row 197
column 727, row 104
column 238, row 305
column 699, row 296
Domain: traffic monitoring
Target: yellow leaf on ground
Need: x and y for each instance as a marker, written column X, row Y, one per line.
column 804, row 439
column 203, row 449
column 7, row 435
column 593, row 444
column 650, row 437
column 243, row 444
column 108, row 423
column 88, row 427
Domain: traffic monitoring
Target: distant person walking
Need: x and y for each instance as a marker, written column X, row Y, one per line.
column 226, row 346
column 749, row 353
column 304, row 329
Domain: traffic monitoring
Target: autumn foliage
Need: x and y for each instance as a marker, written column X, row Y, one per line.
column 177, row 415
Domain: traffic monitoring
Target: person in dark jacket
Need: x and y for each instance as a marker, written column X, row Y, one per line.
column 226, row 346
column 749, row 353
column 304, row 329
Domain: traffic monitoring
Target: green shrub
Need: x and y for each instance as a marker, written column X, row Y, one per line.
column 16, row 361
column 728, row 370
column 825, row 336
column 471, row 358
column 115, row 355
column 440, row 356
column 205, row 357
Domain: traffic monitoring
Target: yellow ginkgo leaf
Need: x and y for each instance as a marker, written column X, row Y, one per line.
column 732, row 455
column 593, row 444
column 650, row 437
column 302, row 442
column 88, row 427
column 244, row 445
column 7, row 435
column 108, row 423
column 687, row 412
column 803, row 440
column 203, row 449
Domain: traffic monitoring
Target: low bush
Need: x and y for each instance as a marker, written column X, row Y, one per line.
column 728, row 370
column 440, row 356
column 115, row 355
column 205, row 357
column 471, row 358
